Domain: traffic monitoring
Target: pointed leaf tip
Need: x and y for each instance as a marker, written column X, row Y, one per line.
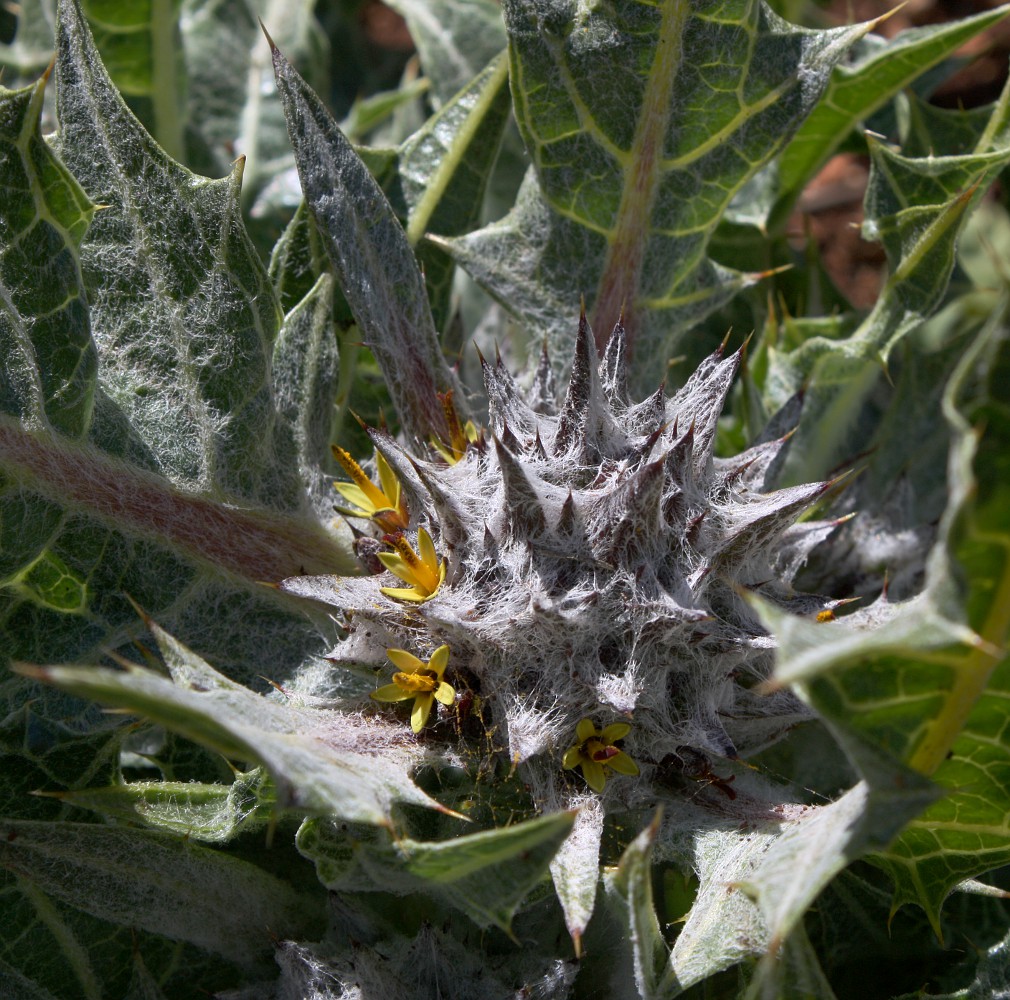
column 266, row 34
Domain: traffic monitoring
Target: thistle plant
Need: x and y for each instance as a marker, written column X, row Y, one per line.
column 613, row 656
column 597, row 558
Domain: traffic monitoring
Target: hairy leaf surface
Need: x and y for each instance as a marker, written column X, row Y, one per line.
column 642, row 121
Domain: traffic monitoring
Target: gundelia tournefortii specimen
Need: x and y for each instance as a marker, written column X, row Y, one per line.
column 647, row 649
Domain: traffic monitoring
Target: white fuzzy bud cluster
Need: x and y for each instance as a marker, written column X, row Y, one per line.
column 597, row 557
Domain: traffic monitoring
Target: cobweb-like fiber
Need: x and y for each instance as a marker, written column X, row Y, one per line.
column 598, row 554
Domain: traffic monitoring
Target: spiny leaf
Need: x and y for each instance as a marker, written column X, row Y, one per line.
column 632, row 882
column 963, row 742
column 486, row 874
column 456, row 39
column 929, row 685
column 575, row 869
column 917, row 207
column 642, row 121
column 810, row 851
column 232, row 106
column 373, row 261
column 141, row 444
column 50, row 361
column 160, row 884
column 320, row 762
column 443, row 170
column 879, row 70
column 214, row 813
column 181, row 306
column 305, row 369
column 142, row 50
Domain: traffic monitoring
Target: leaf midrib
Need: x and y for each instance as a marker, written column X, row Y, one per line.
column 626, row 251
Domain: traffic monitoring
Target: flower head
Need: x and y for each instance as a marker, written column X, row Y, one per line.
column 420, row 681
column 385, row 506
column 594, row 750
column 422, row 569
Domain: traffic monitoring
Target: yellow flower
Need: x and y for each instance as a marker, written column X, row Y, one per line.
column 595, row 750
column 384, row 506
column 421, row 569
column 420, row 681
column 460, row 435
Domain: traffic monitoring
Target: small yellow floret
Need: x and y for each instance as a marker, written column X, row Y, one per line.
column 422, row 569
column 594, row 750
column 418, row 680
column 460, row 435
column 385, row 506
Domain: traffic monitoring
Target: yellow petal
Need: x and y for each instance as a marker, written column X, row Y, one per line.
column 593, row 773
column 426, row 547
column 390, row 484
column 407, row 662
column 572, row 757
column 429, row 594
column 584, row 730
column 426, row 552
column 395, row 564
column 615, row 731
column 623, row 764
column 391, row 692
column 354, row 494
column 448, row 456
column 438, row 661
column 421, row 711
column 405, row 594
column 424, row 573
column 445, row 693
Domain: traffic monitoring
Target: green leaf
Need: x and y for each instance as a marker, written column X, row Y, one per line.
column 444, row 169
column 321, row 762
column 632, row 885
column 176, row 289
column 143, row 986
column 878, row 71
column 233, row 108
column 992, row 975
column 305, row 370
column 917, row 208
column 575, row 869
column 368, row 113
column 793, row 972
column 50, row 949
column 160, row 884
column 963, row 741
column 486, row 875
column 142, row 445
column 925, row 681
column 210, row 813
column 371, row 256
column 141, row 47
column 298, row 259
column 809, row 852
column 642, row 121
column 16, row 986
column 456, row 39
column 49, row 359
column 928, row 130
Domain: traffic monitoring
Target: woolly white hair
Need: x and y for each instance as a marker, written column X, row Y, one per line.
column 597, row 552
